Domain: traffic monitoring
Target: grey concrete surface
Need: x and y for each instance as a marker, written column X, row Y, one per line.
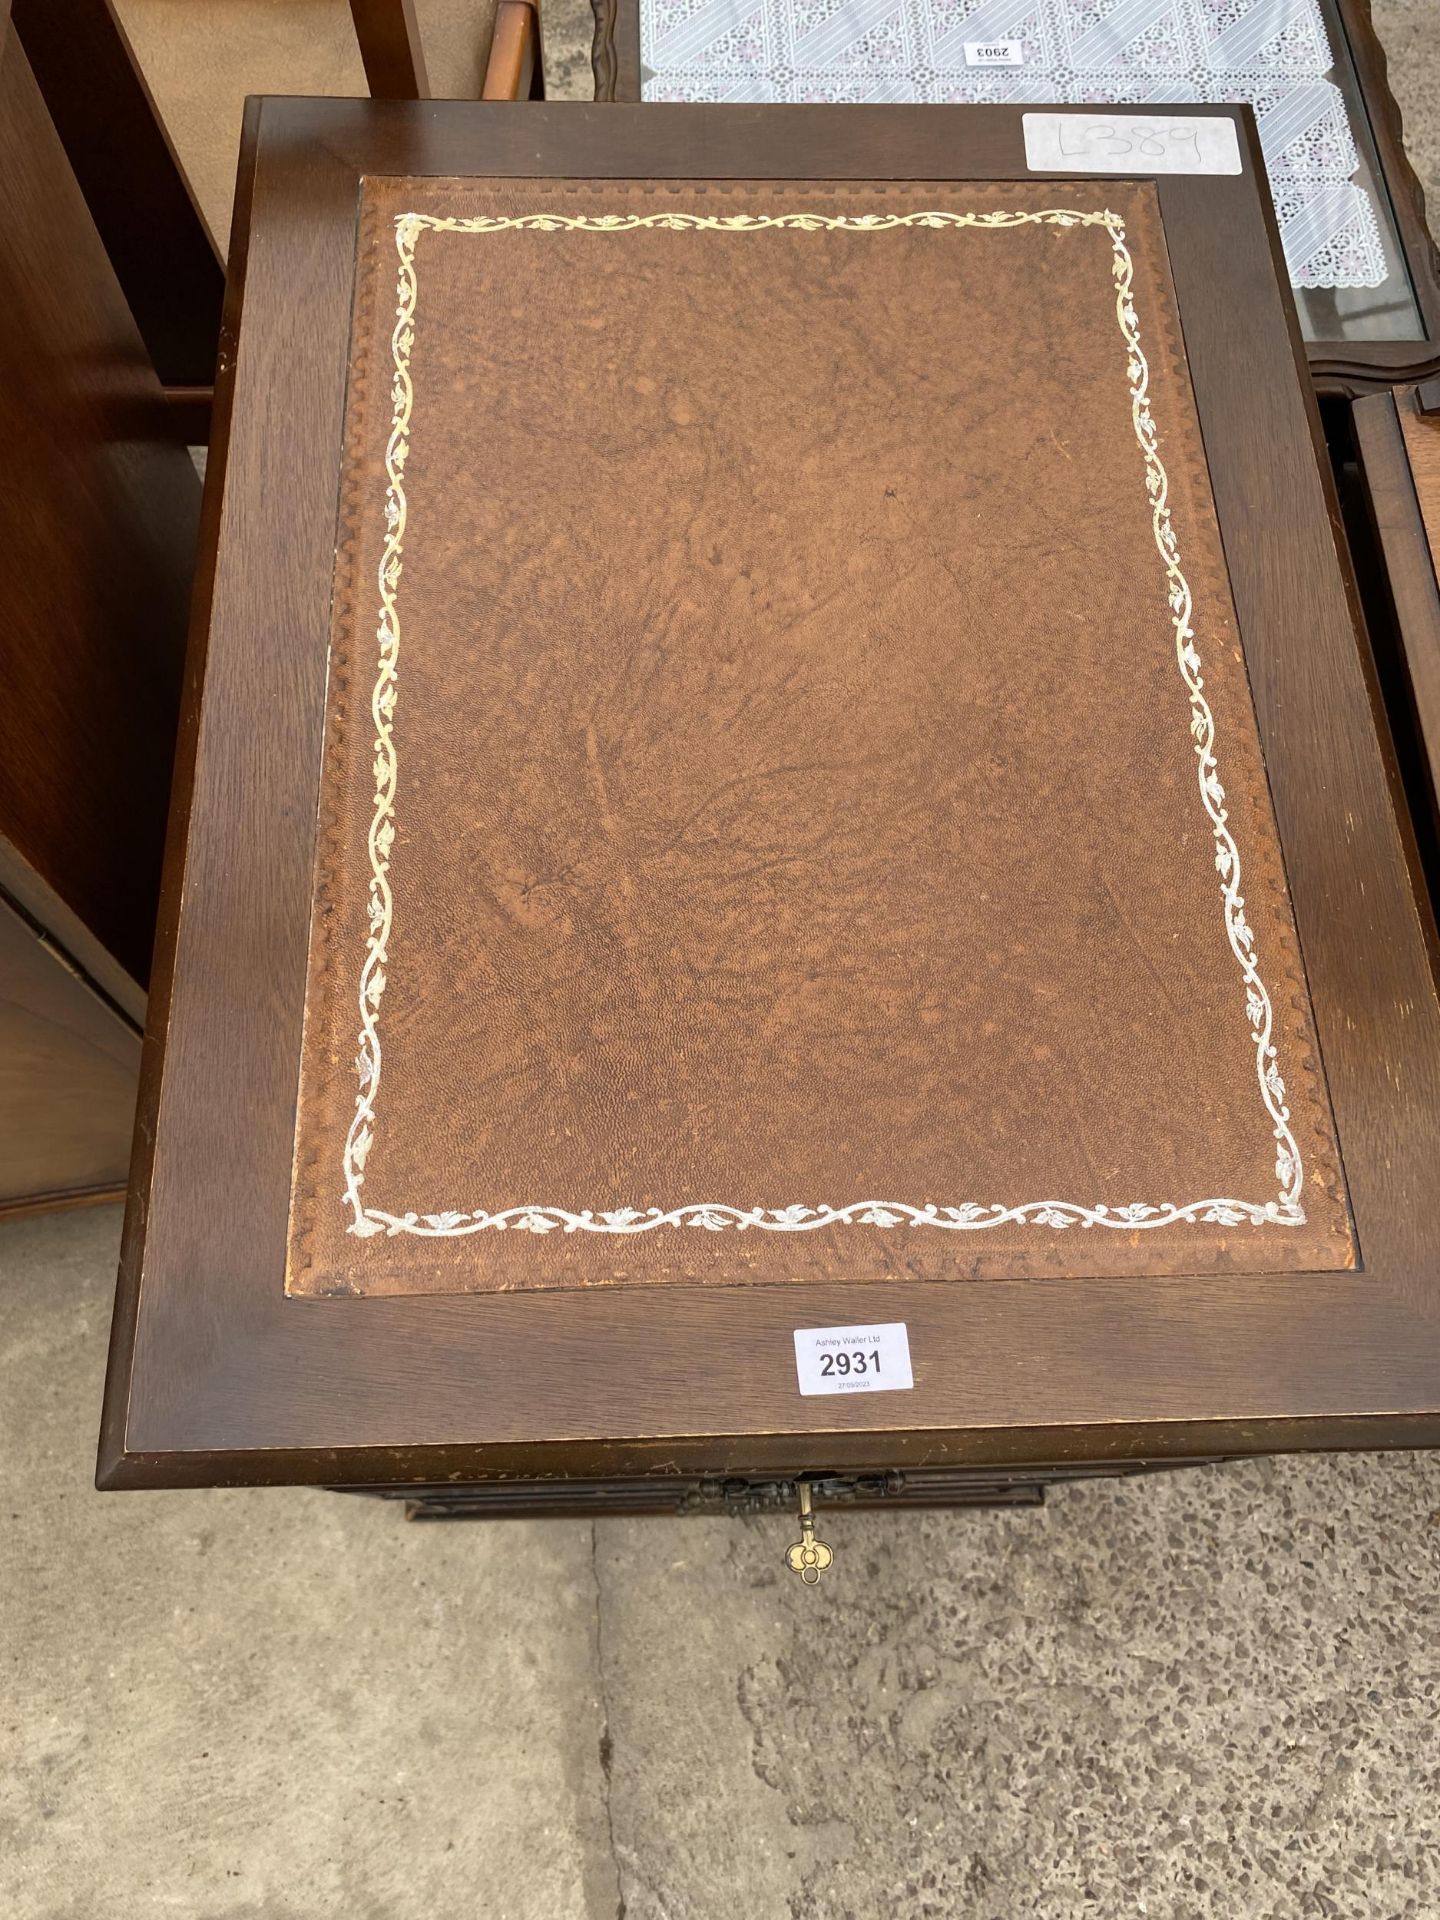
column 1410, row 33
column 1208, row 1696
column 568, row 27
column 224, row 1707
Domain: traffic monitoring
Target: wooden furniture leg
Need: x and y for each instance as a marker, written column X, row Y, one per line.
column 389, row 37
column 168, row 268
column 136, row 189
column 516, row 69
column 102, row 507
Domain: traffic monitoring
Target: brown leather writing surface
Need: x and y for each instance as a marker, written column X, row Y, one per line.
column 792, row 803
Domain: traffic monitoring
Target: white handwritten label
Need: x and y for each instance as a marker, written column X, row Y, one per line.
column 853, row 1359
column 994, row 53
column 1137, row 143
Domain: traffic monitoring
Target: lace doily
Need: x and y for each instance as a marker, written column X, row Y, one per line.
column 1274, row 54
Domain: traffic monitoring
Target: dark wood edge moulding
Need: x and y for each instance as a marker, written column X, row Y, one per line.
column 1336, row 366
column 216, row 1377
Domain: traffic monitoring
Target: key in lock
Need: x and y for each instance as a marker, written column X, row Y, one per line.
column 808, row 1557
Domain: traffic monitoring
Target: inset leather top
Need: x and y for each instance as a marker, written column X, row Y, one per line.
column 793, row 805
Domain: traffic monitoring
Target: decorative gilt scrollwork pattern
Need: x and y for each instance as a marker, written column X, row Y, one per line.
column 1052, row 1215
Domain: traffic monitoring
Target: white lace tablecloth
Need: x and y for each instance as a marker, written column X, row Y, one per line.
column 1272, row 53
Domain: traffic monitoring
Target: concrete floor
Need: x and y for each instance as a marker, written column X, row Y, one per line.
column 1212, row 1696
column 1410, row 33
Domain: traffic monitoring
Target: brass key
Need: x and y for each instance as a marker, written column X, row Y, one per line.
column 808, row 1557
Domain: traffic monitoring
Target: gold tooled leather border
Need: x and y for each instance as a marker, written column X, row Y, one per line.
column 1284, row 1210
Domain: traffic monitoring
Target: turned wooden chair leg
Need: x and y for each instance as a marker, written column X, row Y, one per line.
column 516, row 69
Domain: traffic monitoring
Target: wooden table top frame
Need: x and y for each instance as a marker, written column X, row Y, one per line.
column 1338, row 366
column 216, row 1376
